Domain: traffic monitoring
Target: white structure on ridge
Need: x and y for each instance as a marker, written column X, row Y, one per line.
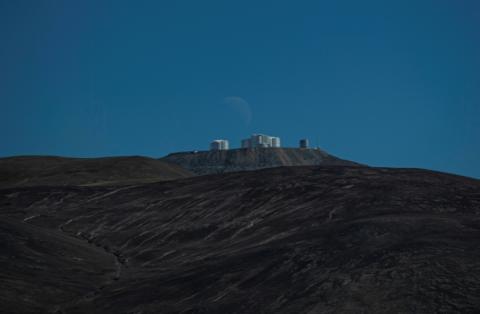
column 219, row 145
column 261, row 140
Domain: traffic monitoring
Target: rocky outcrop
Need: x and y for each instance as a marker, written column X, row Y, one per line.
column 219, row 161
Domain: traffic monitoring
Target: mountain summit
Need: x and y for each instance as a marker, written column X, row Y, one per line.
column 219, row 161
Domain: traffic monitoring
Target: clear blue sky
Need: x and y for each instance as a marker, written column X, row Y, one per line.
column 386, row 83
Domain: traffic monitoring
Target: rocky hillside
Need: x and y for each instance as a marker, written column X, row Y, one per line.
column 285, row 240
column 49, row 170
column 211, row 162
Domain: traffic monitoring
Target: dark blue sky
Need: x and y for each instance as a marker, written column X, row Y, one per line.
column 387, row 83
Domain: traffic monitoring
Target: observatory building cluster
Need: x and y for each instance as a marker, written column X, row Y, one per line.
column 255, row 141
column 260, row 140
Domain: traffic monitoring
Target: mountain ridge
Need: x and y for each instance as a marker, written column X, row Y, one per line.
column 56, row 170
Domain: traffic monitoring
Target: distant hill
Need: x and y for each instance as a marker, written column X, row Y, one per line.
column 212, row 162
column 48, row 170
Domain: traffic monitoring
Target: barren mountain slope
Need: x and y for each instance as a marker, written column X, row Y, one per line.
column 284, row 240
column 49, row 170
column 212, row 162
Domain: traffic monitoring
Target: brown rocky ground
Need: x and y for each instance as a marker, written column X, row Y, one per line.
column 285, row 240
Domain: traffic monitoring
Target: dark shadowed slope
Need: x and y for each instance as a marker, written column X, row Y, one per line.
column 41, row 268
column 284, row 240
column 211, row 162
column 48, row 170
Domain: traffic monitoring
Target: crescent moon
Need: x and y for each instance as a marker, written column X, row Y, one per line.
column 240, row 106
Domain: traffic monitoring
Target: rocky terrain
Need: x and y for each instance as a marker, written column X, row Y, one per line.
column 316, row 239
column 220, row 161
column 51, row 170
